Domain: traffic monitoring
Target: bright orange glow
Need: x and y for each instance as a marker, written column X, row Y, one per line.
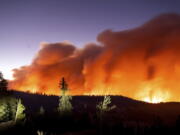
column 157, row 97
column 142, row 63
column 153, row 92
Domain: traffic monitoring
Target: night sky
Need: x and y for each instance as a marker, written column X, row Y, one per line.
column 24, row 24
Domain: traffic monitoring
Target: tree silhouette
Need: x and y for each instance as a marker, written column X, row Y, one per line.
column 63, row 85
column 1, row 76
column 3, row 83
column 65, row 106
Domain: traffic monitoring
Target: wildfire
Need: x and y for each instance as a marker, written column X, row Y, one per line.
column 141, row 63
column 154, row 99
column 158, row 97
column 153, row 92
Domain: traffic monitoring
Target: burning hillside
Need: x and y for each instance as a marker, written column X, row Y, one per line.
column 141, row 63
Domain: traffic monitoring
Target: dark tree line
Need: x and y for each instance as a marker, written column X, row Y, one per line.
column 3, row 83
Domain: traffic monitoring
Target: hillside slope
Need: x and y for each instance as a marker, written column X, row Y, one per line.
column 126, row 109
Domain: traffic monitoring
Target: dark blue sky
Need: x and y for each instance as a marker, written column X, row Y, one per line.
column 26, row 23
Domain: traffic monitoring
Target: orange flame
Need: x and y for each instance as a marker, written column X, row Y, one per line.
column 153, row 92
column 141, row 63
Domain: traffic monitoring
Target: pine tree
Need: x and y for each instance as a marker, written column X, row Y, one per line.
column 20, row 115
column 65, row 106
column 63, row 85
column 4, row 111
column 3, row 83
column 12, row 107
column 103, row 108
column 1, row 76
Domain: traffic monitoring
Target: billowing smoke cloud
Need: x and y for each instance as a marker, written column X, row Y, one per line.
column 142, row 63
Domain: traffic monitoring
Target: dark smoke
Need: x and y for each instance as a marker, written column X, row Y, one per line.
column 120, row 63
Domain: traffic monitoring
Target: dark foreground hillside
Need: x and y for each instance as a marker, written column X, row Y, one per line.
column 130, row 117
column 126, row 108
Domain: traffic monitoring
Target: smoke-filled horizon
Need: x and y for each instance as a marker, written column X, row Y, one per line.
column 26, row 23
column 141, row 63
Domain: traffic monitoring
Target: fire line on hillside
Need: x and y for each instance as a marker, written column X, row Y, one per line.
column 141, row 63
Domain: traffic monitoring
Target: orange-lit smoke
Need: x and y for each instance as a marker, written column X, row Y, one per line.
column 142, row 63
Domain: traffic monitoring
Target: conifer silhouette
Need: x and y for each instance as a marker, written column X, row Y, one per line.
column 65, row 106
column 3, row 83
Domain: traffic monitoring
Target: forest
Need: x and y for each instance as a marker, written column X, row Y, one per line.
column 36, row 114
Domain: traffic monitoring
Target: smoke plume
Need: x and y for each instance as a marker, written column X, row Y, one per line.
column 142, row 63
